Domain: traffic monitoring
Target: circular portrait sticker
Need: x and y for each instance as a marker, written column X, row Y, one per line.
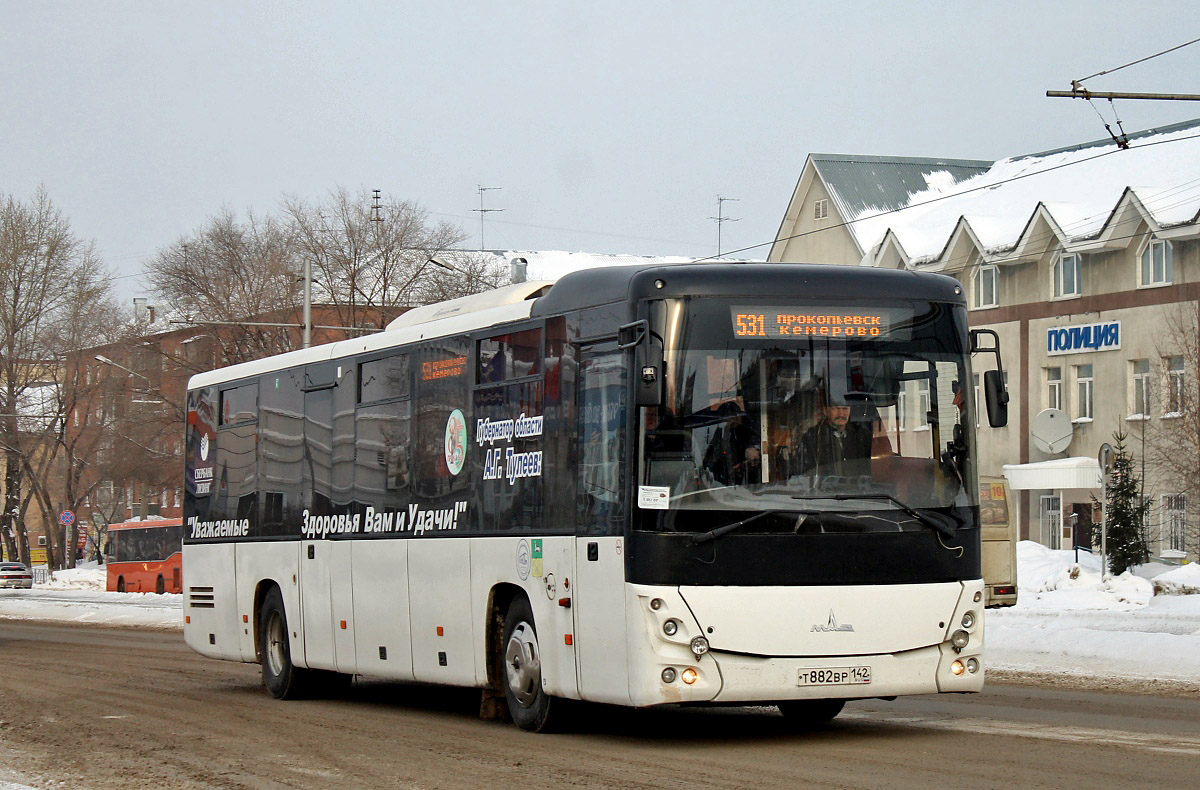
column 456, row 442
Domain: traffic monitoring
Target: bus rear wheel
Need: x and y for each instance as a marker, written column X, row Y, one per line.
column 811, row 712
column 520, row 660
column 120, row 584
column 160, row 587
column 283, row 679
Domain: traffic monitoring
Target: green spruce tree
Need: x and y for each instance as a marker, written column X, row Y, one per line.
column 1126, row 512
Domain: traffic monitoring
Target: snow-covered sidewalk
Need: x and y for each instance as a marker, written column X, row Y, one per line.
column 1067, row 622
column 78, row 596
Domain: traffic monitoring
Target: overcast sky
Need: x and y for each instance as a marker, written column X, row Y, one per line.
column 609, row 127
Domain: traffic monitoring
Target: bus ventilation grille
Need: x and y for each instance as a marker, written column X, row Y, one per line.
column 200, row 597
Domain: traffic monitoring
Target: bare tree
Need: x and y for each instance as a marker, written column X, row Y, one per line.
column 43, row 268
column 233, row 270
column 371, row 258
column 1172, row 445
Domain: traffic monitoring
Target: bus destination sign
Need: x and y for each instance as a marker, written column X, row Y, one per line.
column 789, row 322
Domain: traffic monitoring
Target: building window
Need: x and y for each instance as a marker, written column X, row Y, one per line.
column 923, row 403
column 1175, row 521
column 177, row 497
column 1051, row 518
column 1083, row 383
column 820, row 209
column 1067, row 272
column 1140, row 408
column 1156, row 268
column 41, row 541
column 1174, row 387
column 986, row 286
column 1053, row 388
column 902, row 408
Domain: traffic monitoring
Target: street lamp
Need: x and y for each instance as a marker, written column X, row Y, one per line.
column 105, row 360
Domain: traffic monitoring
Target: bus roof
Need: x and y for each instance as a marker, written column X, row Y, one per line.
column 607, row 285
column 150, row 522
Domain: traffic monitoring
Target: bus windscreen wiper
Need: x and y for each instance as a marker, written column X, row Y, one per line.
column 713, row 534
column 936, row 524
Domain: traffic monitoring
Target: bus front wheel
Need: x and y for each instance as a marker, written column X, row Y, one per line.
column 280, row 676
column 160, row 587
column 811, row 712
column 521, row 663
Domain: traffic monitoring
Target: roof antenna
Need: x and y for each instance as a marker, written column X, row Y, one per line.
column 721, row 219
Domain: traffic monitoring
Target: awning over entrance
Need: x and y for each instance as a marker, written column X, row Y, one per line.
column 1054, row 474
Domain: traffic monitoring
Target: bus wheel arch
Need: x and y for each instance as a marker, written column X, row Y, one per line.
column 283, row 679
column 519, row 657
column 260, row 593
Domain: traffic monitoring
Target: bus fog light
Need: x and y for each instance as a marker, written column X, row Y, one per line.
column 968, row 620
column 957, row 668
column 668, row 675
column 656, row 603
column 670, row 627
column 959, row 639
column 972, row 666
column 689, row 676
column 699, row 646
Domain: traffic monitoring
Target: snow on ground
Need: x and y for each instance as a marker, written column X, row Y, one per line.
column 77, row 595
column 1067, row 620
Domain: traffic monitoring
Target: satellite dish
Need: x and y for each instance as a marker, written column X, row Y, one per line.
column 1051, row 430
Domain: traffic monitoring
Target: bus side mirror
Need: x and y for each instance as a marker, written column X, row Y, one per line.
column 996, row 397
column 648, row 367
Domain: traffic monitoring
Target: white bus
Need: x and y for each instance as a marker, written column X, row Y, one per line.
column 701, row 483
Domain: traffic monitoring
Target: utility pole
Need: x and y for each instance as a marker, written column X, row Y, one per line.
column 721, row 219
column 484, row 211
column 376, row 207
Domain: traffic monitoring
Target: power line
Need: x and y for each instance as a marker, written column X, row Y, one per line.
column 951, row 195
column 1139, row 60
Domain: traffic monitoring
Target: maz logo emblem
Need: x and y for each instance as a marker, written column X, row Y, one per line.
column 833, row 624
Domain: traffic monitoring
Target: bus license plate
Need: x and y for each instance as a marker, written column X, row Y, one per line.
column 834, row 676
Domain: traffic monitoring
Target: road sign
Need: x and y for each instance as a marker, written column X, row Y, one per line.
column 66, row 518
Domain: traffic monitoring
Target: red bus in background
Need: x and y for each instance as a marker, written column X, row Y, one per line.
column 145, row 556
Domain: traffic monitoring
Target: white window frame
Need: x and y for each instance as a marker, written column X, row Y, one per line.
column 1048, row 506
column 1068, row 262
column 1174, row 386
column 1139, row 406
column 820, row 209
column 923, row 404
column 980, row 297
column 1148, row 262
column 1085, row 391
column 1054, row 383
column 1174, row 518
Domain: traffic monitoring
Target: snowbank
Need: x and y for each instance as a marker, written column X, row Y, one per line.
column 1184, row 580
column 86, row 578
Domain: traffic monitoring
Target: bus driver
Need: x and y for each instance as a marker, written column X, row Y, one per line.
column 835, row 445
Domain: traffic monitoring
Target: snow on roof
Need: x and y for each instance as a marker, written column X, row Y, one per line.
column 553, row 264
column 1079, row 187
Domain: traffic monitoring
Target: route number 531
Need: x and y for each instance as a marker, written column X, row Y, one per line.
column 749, row 325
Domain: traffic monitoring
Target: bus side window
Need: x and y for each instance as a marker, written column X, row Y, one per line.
column 601, row 429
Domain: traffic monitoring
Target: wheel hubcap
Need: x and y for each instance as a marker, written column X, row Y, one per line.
column 276, row 648
column 523, row 663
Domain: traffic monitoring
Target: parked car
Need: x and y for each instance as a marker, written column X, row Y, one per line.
column 14, row 574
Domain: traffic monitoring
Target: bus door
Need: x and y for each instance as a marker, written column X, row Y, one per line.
column 598, row 592
column 316, row 554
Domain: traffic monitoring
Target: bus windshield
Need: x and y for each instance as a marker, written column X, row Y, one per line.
column 803, row 407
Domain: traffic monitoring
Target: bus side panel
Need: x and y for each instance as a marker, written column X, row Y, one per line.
column 211, row 604
column 598, row 603
column 256, row 563
column 341, row 593
column 439, row 587
column 381, row 610
column 547, row 564
column 316, row 605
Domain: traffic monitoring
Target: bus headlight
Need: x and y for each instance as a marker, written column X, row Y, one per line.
column 668, row 675
column 968, row 620
column 670, row 627
column 972, row 666
column 959, row 640
column 699, row 646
